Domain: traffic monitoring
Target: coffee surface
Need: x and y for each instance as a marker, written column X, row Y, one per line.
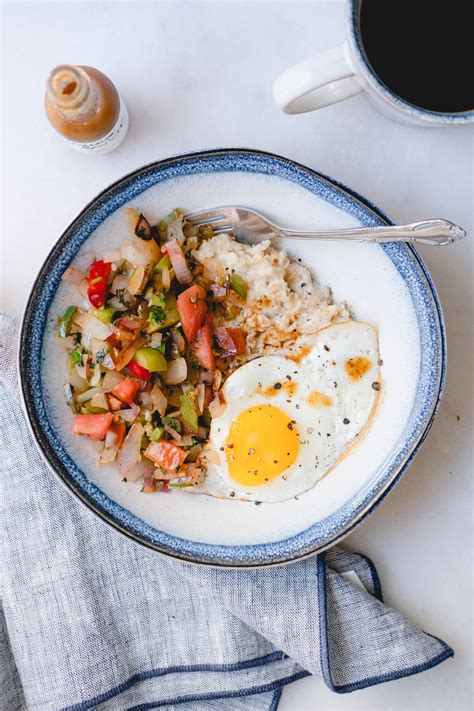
column 422, row 50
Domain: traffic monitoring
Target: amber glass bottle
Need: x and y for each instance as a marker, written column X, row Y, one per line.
column 84, row 106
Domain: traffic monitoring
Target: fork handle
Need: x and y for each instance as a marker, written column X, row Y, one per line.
column 435, row 232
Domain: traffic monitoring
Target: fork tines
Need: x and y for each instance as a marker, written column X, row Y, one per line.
column 215, row 218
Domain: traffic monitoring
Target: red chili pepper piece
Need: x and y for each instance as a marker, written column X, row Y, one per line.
column 98, row 283
column 139, row 371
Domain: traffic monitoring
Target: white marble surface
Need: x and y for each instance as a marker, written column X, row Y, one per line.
column 198, row 75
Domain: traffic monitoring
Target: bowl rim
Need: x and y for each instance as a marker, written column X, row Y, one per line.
column 52, row 458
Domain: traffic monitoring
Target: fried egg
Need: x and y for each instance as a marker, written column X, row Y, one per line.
column 289, row 419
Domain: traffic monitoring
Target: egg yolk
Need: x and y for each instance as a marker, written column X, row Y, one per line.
column 262, row 443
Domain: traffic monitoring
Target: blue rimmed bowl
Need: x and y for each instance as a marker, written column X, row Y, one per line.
column 388, row 285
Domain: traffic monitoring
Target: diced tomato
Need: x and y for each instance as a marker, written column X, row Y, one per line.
column 119, row 428
column 126, row 390
column 95, row 426
column 132, row 324
column 139, row 371
column 202, row 345
column 98, row 283
column 230, row 340
column 192, row 309
column 166, row 455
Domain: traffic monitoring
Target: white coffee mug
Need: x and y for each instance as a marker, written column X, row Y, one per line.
column 342, row 72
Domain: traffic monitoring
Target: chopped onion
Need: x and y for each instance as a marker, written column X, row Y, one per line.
column 145, row 399
column 93, row 326
column 175, row 435
column 159, row 400
column 95, row 378
column 166, row 279
column 129, row 453
column 130, row 414
column 117, row 304
column 111, row 379
column 82, row 368
column 99, row 400
column 108, row 362
column 178, row 260
column 79, row 384
column 156, row 339
column 148, row 248
column 72, row 276
column 142, row 469
column 135, row 282
column 88, row 394
column 201, row 393
column 217, row 406
column 133, row 254
column 119, row 283
column 217, row 380
column 177, row 371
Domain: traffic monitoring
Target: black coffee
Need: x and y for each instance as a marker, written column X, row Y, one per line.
column 422, row 50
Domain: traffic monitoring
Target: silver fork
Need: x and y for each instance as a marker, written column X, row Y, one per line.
column 251, row 226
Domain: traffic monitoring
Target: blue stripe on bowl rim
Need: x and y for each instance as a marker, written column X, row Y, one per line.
column 320, row 535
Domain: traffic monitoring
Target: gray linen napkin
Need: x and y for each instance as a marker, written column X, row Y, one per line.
column 91, row 620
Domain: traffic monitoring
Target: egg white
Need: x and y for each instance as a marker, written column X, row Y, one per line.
column 326, row 432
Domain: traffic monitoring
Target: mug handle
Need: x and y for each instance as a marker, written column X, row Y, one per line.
column 318, row 81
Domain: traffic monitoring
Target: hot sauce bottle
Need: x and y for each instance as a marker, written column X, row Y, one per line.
column 84, row 106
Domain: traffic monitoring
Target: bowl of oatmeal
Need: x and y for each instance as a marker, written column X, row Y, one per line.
column 289, row 386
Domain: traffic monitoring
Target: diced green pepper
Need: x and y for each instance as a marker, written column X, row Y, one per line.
column 163, row 318
column 174, row 423
column 188, row 412
column 105, row 315
column 239, row 285
column 158, row 300
column 164, row 263
column 76, row 357
column 157, row 434
column 151, row 359
column 65, row 322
